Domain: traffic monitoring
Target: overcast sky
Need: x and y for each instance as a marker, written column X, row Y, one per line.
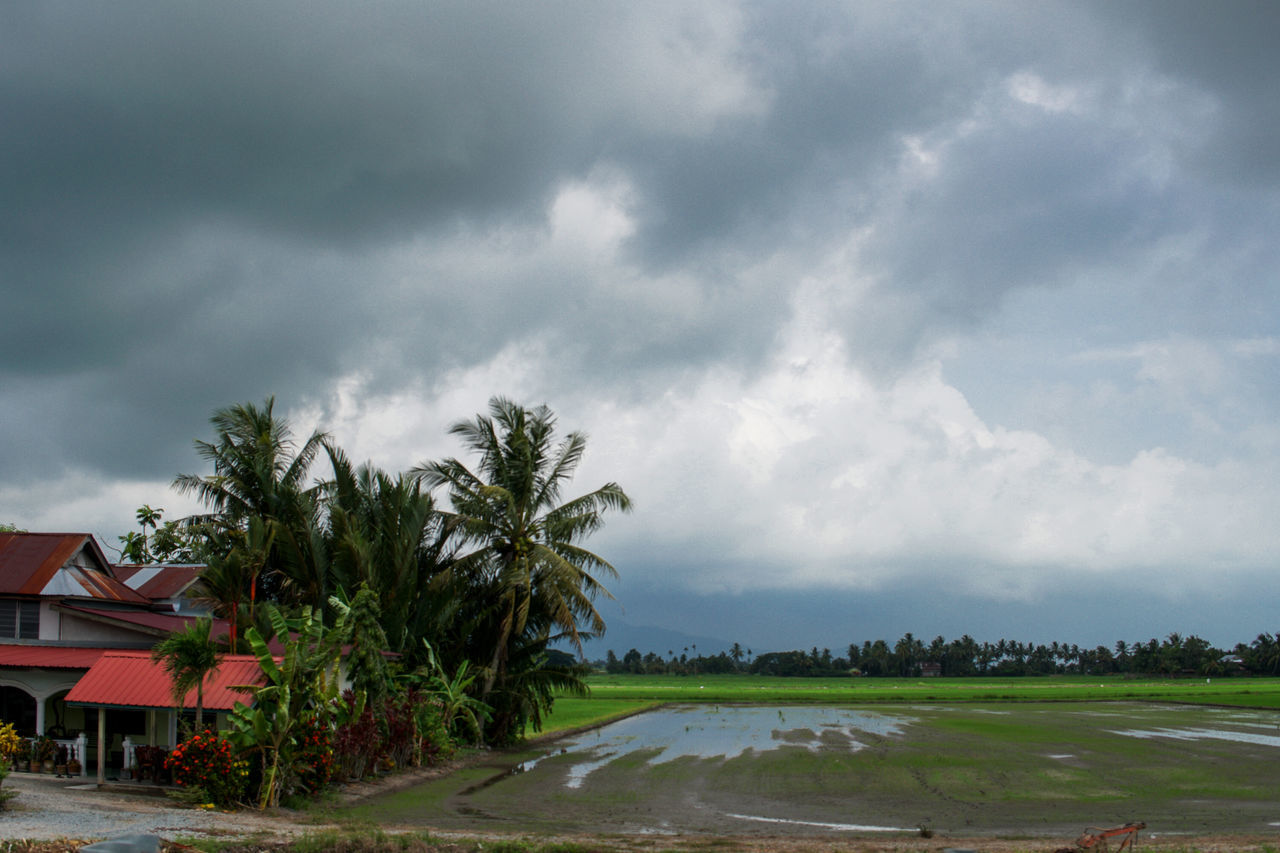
column 928, row 317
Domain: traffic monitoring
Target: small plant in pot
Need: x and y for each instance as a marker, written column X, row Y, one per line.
column 45, row 752
column 27, row 756
column 60, row 760
column 22, row 755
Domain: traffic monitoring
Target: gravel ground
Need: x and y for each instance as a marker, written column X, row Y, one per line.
column 48, row 807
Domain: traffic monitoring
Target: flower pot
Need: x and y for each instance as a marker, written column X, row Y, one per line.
column 60, row 769
column 74, row 767
column 48, row 765
column 33, row 766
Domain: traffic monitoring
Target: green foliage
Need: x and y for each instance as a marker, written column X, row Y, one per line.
column 359, row 626
column 527, row 579
column 44, row 749
column 489, row 584
column 461, row 715
column 188, row 656
column 298, row 690
column 5, row 794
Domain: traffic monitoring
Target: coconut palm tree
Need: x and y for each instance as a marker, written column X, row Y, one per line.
column 188, row 656
column 525, row 554
column 258, row 474
column 255, row 469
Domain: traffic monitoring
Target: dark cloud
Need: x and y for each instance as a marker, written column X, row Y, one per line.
column 209, row 204
column 1228, row 54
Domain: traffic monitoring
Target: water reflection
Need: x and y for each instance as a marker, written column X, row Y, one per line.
column 700, row 731
column 1201, row 734
column 1242, row 721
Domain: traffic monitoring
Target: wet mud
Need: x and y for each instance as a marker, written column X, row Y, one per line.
column 949, row 772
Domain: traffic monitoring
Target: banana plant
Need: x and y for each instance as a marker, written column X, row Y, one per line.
column 300, row 683
column 458, row 709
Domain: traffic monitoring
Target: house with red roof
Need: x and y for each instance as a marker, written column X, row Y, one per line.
column 75, row 638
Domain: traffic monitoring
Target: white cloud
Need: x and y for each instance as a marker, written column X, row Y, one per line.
column 814, row 467
column 1029, row 88
column 82, row 502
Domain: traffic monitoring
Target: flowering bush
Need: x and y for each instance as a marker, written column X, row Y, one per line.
column 10, row 743
column 207, row 762
column 314, row 754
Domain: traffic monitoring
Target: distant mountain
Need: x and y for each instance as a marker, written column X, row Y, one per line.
column 622, row 637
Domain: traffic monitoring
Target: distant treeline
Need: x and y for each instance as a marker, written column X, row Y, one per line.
column 911, row 657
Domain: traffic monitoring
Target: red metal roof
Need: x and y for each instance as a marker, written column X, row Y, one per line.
column 128, row 679
column 29, row 561
column 49, row 657
column 159, row 582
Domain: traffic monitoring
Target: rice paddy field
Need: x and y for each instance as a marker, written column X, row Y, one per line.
column 798, row 761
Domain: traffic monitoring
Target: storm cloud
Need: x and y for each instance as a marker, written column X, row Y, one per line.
column 855, row 300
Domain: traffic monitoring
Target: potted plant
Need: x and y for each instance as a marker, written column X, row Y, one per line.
column 73, row 766
column 60, row 761
column 45, row 752
column 21, row 754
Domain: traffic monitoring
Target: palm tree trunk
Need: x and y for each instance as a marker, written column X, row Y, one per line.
column 498, row 663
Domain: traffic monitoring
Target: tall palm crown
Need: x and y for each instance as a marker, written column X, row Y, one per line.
column 527, row 557
column 255, row 471
column 257, row 475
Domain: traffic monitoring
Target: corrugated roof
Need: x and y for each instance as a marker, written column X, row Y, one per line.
column 49, row 657
column 40, row 564
column 126, row 679
column 159, row 582
column 29, row 560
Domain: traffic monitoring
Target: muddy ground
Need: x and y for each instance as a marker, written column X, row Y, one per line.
column 972, row 779
column 1035, row 776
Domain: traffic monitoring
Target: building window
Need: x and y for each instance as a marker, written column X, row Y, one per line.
column 19, row 620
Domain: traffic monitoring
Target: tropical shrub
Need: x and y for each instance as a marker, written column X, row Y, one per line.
column 208, row 763
column 11, row 744
column 45, row 749
column 357, row 742
column 5, row 795
column 298, row 687
column 434, row 743
column 313, row 754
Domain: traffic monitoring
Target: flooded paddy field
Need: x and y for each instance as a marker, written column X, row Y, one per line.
column 1015, row 770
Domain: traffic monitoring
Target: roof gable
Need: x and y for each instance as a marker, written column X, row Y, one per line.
column 59, row 564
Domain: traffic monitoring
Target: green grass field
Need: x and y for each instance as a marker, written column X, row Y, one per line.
column 614, row 696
